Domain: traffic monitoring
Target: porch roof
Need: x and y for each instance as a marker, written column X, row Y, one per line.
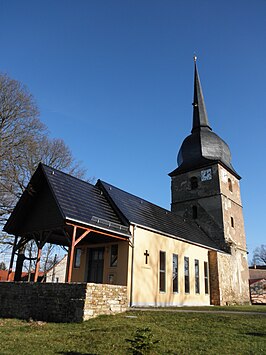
column 53, row 198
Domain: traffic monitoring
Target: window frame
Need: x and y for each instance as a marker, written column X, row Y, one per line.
column 162, row 271
column 194, row 182
column 77, row 258
column 186, row 275
column 230, row 185
column 175, row 274
column 197, row 276
column 114, row 256
column 206, row 277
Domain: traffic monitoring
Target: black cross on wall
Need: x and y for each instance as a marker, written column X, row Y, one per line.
column 146, row 254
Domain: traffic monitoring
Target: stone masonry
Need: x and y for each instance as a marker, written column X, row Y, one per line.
column 104, row 299
column 60, row 302
column 219, row 214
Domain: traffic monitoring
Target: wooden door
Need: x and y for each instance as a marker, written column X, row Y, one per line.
column 95, row 267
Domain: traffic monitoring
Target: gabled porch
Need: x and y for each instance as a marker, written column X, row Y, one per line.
column 59, row 209
column 94, row 255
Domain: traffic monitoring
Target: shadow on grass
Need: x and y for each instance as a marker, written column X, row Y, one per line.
column 256, row 334
column 74, row 353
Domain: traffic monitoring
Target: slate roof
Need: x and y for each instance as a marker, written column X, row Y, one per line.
column 75, row 200
column 143, row 213
column 202, row 147
column 81, row 201
column 104, row 206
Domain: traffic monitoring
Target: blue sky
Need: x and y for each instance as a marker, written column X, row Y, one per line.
column 114, row 79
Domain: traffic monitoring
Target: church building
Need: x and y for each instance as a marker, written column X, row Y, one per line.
column 193, row 254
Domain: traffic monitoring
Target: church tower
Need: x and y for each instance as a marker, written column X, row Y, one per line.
column 205, row 190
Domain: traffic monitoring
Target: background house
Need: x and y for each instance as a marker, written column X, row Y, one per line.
column 57, row 273
column 257, row 284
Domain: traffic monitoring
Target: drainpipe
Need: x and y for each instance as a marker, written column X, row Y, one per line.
column 132, row 266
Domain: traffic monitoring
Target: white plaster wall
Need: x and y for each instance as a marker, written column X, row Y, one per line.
column 146, row 277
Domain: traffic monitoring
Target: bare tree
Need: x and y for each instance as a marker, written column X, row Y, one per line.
column 24, row 142
column 19, row 120
column 259, row 255
column 30, row 252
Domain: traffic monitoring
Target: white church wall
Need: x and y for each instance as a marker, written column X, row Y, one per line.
column 146, row 282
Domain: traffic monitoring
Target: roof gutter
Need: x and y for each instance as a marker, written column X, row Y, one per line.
column 97, row 227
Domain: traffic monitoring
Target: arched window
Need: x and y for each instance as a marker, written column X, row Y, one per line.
column 232, row 222
column 230, row 186
column 194, row 212
column 194, row 183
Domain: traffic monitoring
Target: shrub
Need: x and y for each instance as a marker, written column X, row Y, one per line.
column 142, row 343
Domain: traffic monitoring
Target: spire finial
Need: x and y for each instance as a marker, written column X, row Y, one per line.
column 195, row 58
column 200, row 118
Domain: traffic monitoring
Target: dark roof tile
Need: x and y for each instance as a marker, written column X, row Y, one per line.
column 141, row 212
column 79, row 200
column 105, row 206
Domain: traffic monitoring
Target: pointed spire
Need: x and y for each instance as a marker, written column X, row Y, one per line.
column 200, row 118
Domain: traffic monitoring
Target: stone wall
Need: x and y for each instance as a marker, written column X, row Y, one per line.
column 207, row 200
column 105, row 299
column 60, row 302
column 258, row 291
column 233, row 277
column 229, row 278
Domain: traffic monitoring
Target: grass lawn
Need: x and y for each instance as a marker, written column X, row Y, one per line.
column 178, row 333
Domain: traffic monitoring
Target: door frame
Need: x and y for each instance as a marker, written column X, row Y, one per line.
column 89, row 261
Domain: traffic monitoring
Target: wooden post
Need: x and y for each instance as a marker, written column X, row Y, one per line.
column 12, row 259
column 38, row 264
column 20, row 261
column 71, row 255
